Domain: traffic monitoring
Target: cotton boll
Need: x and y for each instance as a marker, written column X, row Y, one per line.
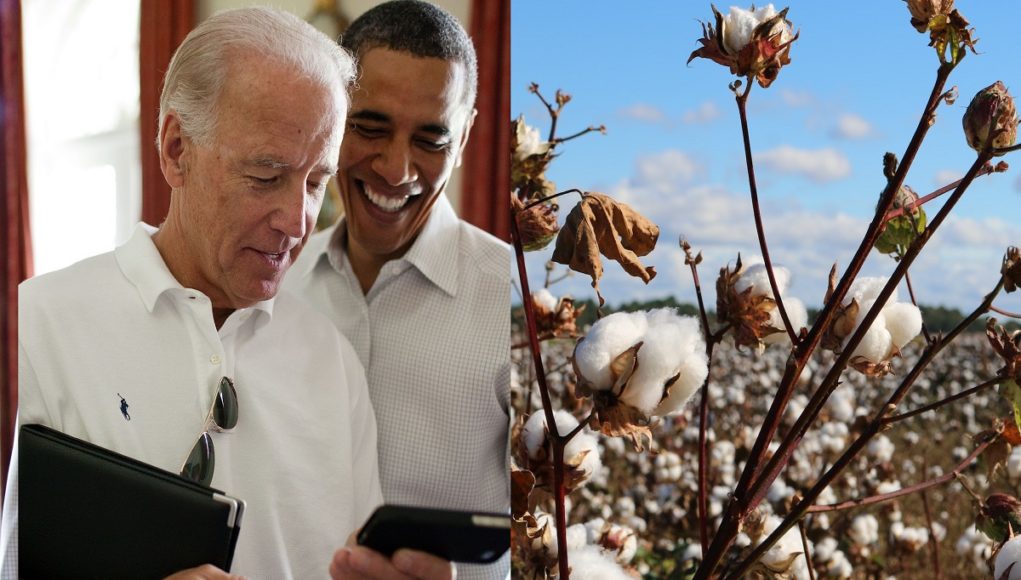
column 790, row 543
column 904, row 321
column 798, row 315
column 545, row 298
column 693, row 372
column 867, row 290
column 607, row 338
column 825, row 548
column 534, row 431
column 1009, row 554
column 577, row 537
column 881, row 448
column 876, row 344
column 592, row 563
column 864, row 530
column 669, row 347
column 584, row 443
column 754, row 276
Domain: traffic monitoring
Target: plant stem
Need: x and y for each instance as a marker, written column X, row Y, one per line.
column 547, row 405
column 933, row 542
column 808, row 553
column 832, row 379
column 874, row 426
column 703, row 410
column 897, row 212
column 555, row 195
column 889, row 420
column 742, row 503
column 883, row 497
column 742, row 100
column 601, row 129
column 1005, row 313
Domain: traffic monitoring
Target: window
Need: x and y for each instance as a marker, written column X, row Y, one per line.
column 81, row 105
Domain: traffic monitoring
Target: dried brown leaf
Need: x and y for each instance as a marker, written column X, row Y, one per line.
column 522, row 482
column 600, row 225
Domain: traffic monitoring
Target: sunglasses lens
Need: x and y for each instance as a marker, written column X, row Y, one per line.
column 201, row 461
column 225, row 410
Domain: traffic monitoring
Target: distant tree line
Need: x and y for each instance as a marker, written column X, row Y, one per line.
column 937, row 318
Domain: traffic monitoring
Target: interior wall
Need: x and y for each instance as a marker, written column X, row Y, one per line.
column 352, row 9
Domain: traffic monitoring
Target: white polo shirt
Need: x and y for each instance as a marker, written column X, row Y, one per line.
column 433, row 333
column 303, row 454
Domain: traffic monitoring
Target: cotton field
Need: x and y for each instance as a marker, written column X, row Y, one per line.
column 638, row 510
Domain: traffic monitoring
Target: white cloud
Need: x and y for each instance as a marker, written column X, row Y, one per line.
column 946, row 176
column 819, row 165
column 665, row 171
column 797, row 99
column 960, row 264
column 853, row 127
column 643, row 112
column 705, row 113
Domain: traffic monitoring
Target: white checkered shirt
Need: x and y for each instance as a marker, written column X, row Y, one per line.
column 433, row 334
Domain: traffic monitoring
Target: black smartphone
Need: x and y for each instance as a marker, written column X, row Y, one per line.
column 453, row 535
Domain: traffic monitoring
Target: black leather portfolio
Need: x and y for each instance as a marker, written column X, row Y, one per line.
column 87, row 512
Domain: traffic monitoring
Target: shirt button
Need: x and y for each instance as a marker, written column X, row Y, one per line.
column 215, row 359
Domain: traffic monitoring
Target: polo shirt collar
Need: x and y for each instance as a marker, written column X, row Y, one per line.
column 143, row 266
column 434, row 252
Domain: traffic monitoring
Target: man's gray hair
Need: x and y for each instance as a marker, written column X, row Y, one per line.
column 200, row 65
column 418, row 28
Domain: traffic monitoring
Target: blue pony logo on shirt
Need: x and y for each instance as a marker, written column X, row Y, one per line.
column 124, row 408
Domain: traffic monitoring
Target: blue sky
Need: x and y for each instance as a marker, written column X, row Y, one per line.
column 859, row 78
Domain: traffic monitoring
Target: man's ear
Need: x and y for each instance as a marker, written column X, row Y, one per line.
column 464, row 136
column 171, row 149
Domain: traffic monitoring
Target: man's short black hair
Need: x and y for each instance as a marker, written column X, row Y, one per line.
column 418, row 28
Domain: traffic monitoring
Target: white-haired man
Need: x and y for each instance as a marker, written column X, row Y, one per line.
column 250, row 127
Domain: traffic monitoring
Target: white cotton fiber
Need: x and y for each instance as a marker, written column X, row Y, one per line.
column 671, row 344
column 607, row 338
column 904, row 321
column 545, row 298
column 534, row 431
column 754, row 276
column 798, row 315
column 868, row 289
column 581, row 443
column 592, row 563
column 1009, row 554
column 669, row 348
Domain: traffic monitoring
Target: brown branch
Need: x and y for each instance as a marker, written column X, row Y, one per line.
column 759, row 229
column 897, row 212
column 933, row 542
column 601, row 129
column 808, row 553
column 703, row 407
column 873, row 428
column 884, row 497
column 547, row 405
column 1005, row 313
column 889, row 420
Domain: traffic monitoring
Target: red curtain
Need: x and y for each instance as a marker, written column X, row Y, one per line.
column 486, row 178
column 164, row 24
column 17, row 244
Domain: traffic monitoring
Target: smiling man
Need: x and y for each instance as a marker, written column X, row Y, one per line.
column 423, row 296
column 250, row 129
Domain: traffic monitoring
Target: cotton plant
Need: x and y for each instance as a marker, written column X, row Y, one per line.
column 631, row 375
column 897, row 324
column 745, row 300
column 1008, row 560
column 581, row 455
column 637, row 365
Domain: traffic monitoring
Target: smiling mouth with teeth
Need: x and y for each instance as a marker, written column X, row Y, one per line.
column 383, row 202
